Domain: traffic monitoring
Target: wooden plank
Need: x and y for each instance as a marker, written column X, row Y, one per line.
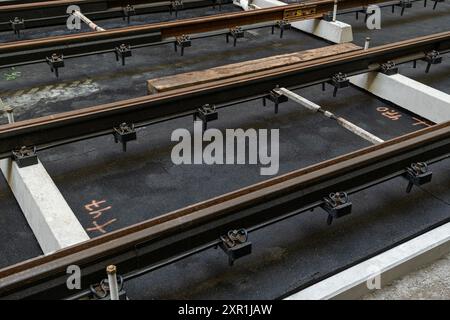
column 242, row 68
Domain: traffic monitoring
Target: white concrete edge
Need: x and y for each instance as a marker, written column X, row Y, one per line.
column 52, row 221
column 390, row 265
column 407, row 93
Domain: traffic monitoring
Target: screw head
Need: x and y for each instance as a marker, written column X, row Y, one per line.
column 111, row 269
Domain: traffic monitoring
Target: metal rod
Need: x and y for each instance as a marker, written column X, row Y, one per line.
column 341, row 121
column 367, row 43
column 359, row 131
column 335, row 10
column 86, row 20
column 111, row 270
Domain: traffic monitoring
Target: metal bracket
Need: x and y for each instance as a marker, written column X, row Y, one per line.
column 100, row 291
column 175, row 5
column 417, row 174
column 55, row 61
column 327, row 16
column 336, row 205
column 128, row 11
column 435, row 3
column 283, row 25
column 236, row 245
column 338, row 81
column 123, row 51
column 432, row 57
column 219, row 2
column 363, row 11
column 206, row 113
column 235, row 33
column 389, row 68
column 25, row 156
column 276, row 98
column 403, row 4
column 182, row 41
column 17, row 24
column 124, row 133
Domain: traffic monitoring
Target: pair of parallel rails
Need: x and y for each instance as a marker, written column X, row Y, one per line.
column 152, row 244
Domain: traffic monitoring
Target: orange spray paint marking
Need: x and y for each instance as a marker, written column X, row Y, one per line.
column 100, row 228
column 95, row 210
column 390, row 114
column 421, row 122
column 95, row 204
column 99, row 212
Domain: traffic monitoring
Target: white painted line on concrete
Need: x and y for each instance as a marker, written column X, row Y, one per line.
column 334, row 31
column 355, row 282
column 53, row 222
column 407, row 93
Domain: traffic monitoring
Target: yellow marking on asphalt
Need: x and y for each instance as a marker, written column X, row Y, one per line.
column 34, row 90
column 47, row 88
column 18, row 93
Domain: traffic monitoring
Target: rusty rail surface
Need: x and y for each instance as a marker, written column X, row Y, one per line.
column 47, row 13
column 28, row 5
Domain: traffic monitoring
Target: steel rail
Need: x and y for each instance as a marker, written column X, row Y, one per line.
column 199, row 225
column 91, row 42
column 47, row 13
column 53, row 130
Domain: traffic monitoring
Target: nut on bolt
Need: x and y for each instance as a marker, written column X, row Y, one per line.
column 111, row 269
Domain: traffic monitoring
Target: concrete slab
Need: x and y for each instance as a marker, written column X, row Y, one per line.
column 334, row 31
column 407, row 93
column 49, row 216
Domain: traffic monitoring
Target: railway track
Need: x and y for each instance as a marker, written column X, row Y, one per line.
column 160, row 241
column 50, row 131
column 75, row 45
column 157, row 242
column 46, row 13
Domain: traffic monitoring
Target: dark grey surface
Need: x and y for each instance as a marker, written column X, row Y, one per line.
column 17, row 242
column 144, row 183
column 417, row 21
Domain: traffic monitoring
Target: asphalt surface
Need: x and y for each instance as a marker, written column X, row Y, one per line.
column 144, row 183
